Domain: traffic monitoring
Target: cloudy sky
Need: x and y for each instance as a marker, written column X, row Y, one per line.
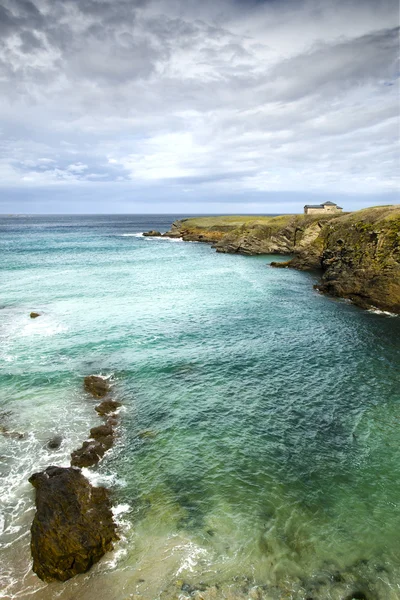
column 189, row 106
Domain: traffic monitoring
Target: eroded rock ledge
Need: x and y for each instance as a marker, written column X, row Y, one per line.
column 358, row 253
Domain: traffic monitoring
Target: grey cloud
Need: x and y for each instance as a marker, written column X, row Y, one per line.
column 351, row 62
column 116, row 78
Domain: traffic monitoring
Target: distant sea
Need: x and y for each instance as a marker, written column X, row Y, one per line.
column 274, row 412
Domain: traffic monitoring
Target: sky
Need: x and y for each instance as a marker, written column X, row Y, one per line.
column 197, row 106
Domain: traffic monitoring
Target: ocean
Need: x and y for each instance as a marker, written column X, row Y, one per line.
column 259, row 442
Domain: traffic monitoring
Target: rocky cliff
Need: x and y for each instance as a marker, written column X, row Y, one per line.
column 358, row 253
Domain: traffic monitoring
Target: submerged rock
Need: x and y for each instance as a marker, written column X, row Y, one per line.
column 34, row 315
column 73, row 526
column 152, row 233
column 107, row 406
column 146, row 434
column 96, row 385
column 55, row 442
column 16, row 435
column 357, row 595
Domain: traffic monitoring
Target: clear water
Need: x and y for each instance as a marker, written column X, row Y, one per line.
column 274, row 458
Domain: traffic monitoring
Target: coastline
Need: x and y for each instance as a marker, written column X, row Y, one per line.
column 357, row 254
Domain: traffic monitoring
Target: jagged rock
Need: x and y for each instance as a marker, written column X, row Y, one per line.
column 93, row 450
column 73, row 526
column 107, row 406
column 34, row 315
column 55, row 442
column 96, row 385
column 88, row 454
column 103, row 434
column 152, row 233
column 112, row 421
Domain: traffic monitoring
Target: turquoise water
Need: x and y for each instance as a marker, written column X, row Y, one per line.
column 273, row 457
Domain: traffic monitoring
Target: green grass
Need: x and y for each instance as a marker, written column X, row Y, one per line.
column 235, row 221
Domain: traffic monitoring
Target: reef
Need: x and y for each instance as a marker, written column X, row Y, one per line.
column 73, row 525
column 357, row 254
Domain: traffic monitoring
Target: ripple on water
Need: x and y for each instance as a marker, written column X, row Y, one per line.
column 272, row 464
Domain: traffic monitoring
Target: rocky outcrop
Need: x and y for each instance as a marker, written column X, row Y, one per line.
column 96, row 385
column 206, row 229
column 73, row 526
column 101, row 438
column 151, row 233
column 107, row 407
column 34, row 315
column 357, row 253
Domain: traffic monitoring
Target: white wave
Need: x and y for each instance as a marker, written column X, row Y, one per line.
column 150, row 237
column 139, row 235
column 101, row 479
column 191, row 560
column 377, row 311
column 120, row 509
column 43, row 328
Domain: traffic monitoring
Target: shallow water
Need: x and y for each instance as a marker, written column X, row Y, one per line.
column 274, row 454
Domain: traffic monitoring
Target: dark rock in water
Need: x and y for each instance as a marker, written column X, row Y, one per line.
column 280, row 265
column 152, row 233
column 88, row 455
column 107, row 407
column 54, row 443
column 186, row 587
column 93, row 450
column 358, row 595
column 96, row 385
column 73, row 526
column 104, row 435
column 34, row 315
column 101, row 431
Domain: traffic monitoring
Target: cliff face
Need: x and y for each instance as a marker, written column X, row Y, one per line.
column 358, row 253
column 252, row 235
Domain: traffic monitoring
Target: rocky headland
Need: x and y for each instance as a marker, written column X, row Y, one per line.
column 358, row 253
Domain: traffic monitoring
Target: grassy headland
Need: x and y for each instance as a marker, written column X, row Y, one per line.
column 358, row 252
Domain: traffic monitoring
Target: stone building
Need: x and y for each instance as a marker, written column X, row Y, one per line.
column 325, row 207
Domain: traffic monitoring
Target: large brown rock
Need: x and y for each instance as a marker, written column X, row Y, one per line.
column 107, row 406
column 73, row 526
column 96, row 385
